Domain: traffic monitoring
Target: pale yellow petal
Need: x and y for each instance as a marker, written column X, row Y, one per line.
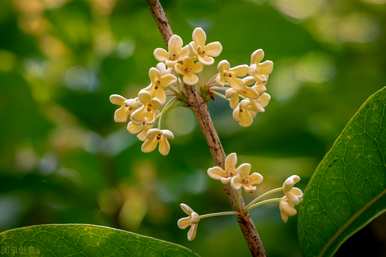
column 244, row 169
column 154, row 74
column 257, row 56
column 290, row 182
column 144, row 96
column 223, row 65
column 249, row 92
column 245, row 118
column 185, row 52
column 186, row 208
column 174, row 45
column 161, row 54
column 142, row 135
column 164, row 146
column 117, row 99
column 133, row 127
column 190, row 79
column 213, row 49
column 121, row 114
column 199, row 36
column 206, row 60
column 184, row 222
column 197, row 67
column 192, row 232
column 217, row 173
column 240, row 70
column 139, row 114
column 255, row 178
column 265, row 67
column 167, row 80
column 230, row 161
column 167, row 133
column 160, row 95
column 236, row 182
column 236, row 83
column 149, row 145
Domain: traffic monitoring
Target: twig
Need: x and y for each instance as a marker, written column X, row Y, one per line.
column 200, row 109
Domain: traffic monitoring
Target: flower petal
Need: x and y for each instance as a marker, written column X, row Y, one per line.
column 117, row 99
column 175, row 44
column 154, row 74
column 167, row 133
column 190, row 79
column 217, row 173
column 213, row 49
column 133, row 127
column 192, row 232
column 206, row 60
column 149, row 145
column 161, row 54
column 257, row 56
column 255, row 178
column 290, row 182
column 164, row 146
column 121, row 114
column 236, row 182
column 240, row 70
column 223, row 65
column 183, row 222
column 185, row 52
column 144, row 96
column 199, row 36
column 186, row 208
column 167, row 80
column 231, row 162
column 244, row 169
column 265, row 67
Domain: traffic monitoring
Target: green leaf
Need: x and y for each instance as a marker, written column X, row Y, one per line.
column 77, row 240
column 347, row 190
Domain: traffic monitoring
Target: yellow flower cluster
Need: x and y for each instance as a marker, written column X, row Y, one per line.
column 245, row 86
column 178, row 65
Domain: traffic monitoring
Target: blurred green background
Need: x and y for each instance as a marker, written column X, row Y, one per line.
column 64, row 160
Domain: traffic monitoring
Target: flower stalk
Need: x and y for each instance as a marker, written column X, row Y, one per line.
column 200, row 109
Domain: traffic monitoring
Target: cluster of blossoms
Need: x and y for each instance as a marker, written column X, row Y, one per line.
column 243, row 85
column 241, row 178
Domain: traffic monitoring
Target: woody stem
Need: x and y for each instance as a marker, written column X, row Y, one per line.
column 200, row 109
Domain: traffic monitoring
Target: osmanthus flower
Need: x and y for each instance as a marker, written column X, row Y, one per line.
column 139, row 128
column 157, row 137
column 191, row 221
column 231, row 76
column 127, row 106
column 247, row 91
column 224, row 175
column 245, row 180
column 292, row 196
column 189, row 68
column 260, row 70
column 148, row 111
column 245, row 112
column 176, row 52
column 204, row 52
column 159, row 83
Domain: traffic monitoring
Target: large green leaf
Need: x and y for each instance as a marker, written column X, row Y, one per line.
column 347, row 190
column 77, row 240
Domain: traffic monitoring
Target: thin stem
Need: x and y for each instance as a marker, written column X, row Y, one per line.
column 215, row 214
column 165, row 109
column 219, row 94
column 273, row 200
column 272, row 191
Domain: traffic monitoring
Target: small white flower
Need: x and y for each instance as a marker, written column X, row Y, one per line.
column 189, row 68
column 246, row 91
column 176, row 52
column 148, row 111
column 204, row 52
column 260, row 70
column 231, row 76
column 158, row 137
column 191, row 221
column 224, row 175
column 246, row 180
column 159, row 83
column 127, row 106
column 286, row 209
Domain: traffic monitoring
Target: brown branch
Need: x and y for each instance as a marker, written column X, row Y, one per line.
column 200, row 109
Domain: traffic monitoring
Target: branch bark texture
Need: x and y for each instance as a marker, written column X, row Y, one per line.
column 200, row 109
